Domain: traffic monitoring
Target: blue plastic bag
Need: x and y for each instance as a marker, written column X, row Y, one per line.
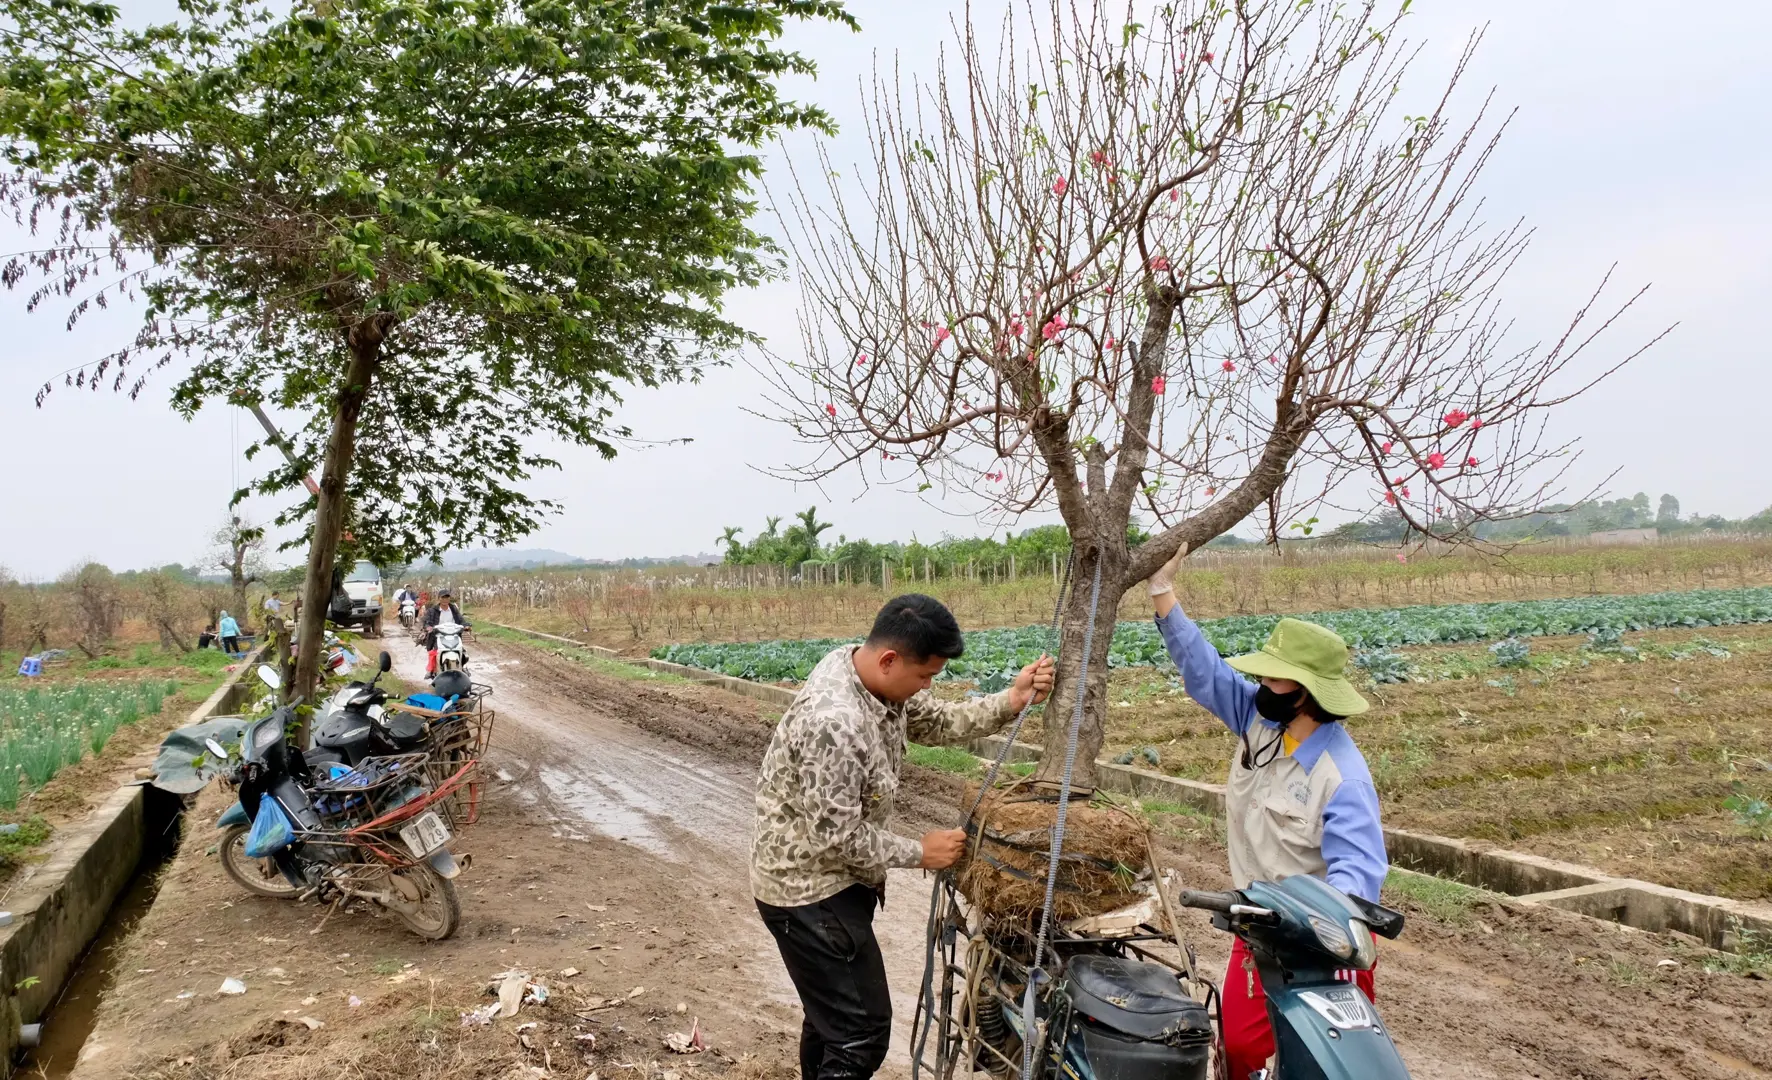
column 271, row 831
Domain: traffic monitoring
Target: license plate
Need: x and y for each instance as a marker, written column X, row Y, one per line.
column 425, row 835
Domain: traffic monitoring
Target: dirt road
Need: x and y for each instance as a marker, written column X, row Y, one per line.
column 1521, row 992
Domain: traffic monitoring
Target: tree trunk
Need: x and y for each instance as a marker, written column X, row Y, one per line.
column 329, row 514
column 1060, row 711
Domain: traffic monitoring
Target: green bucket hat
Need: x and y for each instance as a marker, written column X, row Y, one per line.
column 1311, row 655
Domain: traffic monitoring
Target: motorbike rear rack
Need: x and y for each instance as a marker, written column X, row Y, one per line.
column 968, row 1017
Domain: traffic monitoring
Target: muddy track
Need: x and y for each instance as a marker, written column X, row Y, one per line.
column 1521, row 992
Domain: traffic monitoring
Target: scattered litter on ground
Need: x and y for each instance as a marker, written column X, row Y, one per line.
column 567, row 973
column 354, row 1001
column 232, row 987
column 691, row 1043
column 306, row 1021
column 509, row 987
column 479, row 1017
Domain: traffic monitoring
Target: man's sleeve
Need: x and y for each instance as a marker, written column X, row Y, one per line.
column 830, row 802
column 1217, row 686
column 933, row 722
column 1353, row 840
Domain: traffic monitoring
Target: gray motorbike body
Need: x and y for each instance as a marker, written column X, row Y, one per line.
column 1331, row 1032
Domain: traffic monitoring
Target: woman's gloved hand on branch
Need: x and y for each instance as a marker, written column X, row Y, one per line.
column 1162, row 583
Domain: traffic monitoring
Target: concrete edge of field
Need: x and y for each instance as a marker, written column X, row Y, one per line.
column 1530, row 879
column 63, row 905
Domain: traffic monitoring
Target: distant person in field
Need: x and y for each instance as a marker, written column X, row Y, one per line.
column 229, row 632
column 822, row 849
column 207, row 638
column 1300, row 799
column 274, row 606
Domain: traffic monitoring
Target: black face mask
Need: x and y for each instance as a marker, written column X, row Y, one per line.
column 1280, row 708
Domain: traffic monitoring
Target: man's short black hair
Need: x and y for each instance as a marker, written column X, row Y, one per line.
column 919, row 627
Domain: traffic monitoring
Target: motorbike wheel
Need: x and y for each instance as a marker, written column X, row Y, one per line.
column 430, row 907
column 258, row 876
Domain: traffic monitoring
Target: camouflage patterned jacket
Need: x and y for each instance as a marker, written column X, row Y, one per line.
column 830, row 777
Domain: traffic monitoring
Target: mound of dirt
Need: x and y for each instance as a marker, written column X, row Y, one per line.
column 1105, row 850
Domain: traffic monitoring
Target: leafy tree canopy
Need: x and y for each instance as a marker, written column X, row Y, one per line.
column 501, row 210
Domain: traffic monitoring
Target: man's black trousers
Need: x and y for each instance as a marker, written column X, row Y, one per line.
column 835, row 962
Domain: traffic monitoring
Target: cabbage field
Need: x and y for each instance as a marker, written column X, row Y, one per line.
column 992, row 656
column 44, row 729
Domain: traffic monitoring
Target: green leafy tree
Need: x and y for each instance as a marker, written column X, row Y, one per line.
column 437, row 227
column 1667, row 514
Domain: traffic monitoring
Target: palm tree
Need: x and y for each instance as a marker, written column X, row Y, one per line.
column 811, row 527
column 729, row 535
column 772, row 522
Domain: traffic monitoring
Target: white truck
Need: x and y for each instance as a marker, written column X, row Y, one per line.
column 357, row 599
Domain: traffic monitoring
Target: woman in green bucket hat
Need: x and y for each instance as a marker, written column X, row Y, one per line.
column 1299, row 799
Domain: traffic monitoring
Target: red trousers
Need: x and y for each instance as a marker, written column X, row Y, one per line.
column 1248, row 1034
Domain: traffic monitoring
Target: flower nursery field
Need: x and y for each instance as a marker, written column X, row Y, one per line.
column 1647, row 758
column 65, row 735
column 993, row 656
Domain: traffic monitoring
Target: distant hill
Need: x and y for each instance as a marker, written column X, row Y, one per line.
column 508, row 559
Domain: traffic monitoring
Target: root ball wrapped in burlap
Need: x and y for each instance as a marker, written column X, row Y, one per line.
column 1004, row 875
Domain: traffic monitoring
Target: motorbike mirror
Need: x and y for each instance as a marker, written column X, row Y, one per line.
column 387, row 662
column 269, row 676
column 217, row 749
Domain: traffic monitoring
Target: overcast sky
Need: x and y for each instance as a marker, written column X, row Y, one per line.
column 1642, row 139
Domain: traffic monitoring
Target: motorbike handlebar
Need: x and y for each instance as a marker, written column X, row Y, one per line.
column 1210, row 901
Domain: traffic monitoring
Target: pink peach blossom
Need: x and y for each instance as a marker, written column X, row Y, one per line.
column 1456, row 417
column 1059, row 186
column 1228, row 366
column 1158, row 385
column 1436, row 460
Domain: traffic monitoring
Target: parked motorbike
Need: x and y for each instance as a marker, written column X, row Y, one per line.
column 1117, row 1011
column 377, row 831
column 448, row 726
column 1302, row 931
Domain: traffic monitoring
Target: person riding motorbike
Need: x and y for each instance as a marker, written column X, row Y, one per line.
column 1300, row 798
column 445, row 605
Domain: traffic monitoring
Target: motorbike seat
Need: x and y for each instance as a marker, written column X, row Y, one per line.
column 405, row 729
column 343, row 731
column 1139, row 999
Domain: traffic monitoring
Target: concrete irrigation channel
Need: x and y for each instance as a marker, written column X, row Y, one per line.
column 98, row 876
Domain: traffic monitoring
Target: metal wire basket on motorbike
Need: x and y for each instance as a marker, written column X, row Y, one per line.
column 394, row 810
column 459, row 737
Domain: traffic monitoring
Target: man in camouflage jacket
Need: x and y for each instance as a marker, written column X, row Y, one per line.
column 828, row 783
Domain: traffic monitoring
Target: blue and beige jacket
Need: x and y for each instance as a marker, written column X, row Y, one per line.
column 1313, row 811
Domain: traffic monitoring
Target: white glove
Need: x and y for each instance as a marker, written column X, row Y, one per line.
column 1163, row 581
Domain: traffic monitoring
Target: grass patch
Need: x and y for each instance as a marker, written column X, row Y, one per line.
column 30, row 834
column 1752, row 956
column 948, row 759
column 1442, row 899
column 387, row 966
